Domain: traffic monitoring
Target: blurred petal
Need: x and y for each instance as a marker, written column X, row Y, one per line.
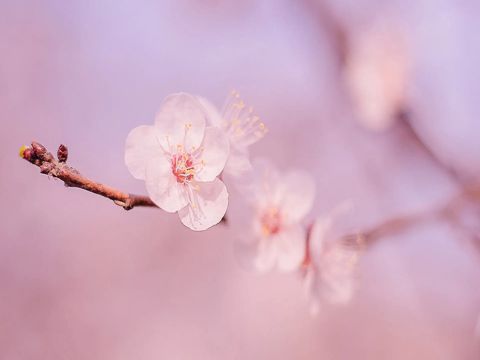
column 321, row 232
column 215, row 154
column 256, row 254
column 331, row 279
column 207, row 205
column 163, row 187
column 337, row 269
column 181, row 121
column 238, row 163
column 242, row 124
column 262, row 185
column 377, row 73
column 290, row 248
column 214, row 117
column 141, row 146
column 318, row 235
column 310, row 288
column 298, row 196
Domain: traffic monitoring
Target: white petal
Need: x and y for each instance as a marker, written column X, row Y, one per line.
column 310, row 287
column 261, row 185
column 142, row 145
column 256, row 254
column 181, row 121
column 208, row 205
column 163, row 187
column 318, row 235
column 337, row 269
column 321, row 231
column 290, row 248
column 334, row 273
column 299, row 194
column 214, row 155
column 243, row 126
column 238, row 163
column 214, row 117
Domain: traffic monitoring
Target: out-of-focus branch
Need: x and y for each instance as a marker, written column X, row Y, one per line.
column 332, row 27
column 449, row 211
column 339, row 37
column 38, row 155
column 404, row 119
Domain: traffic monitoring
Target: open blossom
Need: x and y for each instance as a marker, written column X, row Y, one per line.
column 179, row 158
column 279, row 202
column 329, row 265
column 376, row 74
column 242, row 127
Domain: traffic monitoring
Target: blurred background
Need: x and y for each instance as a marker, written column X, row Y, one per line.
column 377, row 99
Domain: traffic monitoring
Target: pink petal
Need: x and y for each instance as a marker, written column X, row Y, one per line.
column 332, row 277
column 215, row 154
column 214, row 117
column 238, row 163
column 337, row 268
column 310, row 287
column 298, row 195
column 181, row 121
column 256, row 254
column 290, row 248
column 322, row 232
column 208, row 204
column 142, row 145
column 163, row 187
column 318, row 235
column 262, row 184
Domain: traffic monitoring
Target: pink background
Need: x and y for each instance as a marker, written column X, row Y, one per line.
column 82, row 279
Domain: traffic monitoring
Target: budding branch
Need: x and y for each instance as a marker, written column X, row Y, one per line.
column 38, row 155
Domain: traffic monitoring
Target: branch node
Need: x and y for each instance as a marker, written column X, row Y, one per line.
column 62, row 153
column 38, row 155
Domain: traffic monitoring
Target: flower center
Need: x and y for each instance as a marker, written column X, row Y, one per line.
column 271, row 222
column 183, row 167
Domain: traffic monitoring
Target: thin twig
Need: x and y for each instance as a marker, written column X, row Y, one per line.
column 38, row 155
column 332, row 26
column 404, row 118
column 449, row 211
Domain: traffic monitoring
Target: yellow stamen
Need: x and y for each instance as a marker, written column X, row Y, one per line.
column 21, row 153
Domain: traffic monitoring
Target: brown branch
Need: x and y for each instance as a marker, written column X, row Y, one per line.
column 333, row 28
column 449, row 211
column 38, row 155
column 404, row 119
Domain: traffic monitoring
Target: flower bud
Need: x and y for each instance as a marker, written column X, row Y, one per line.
column 62, row 153
column 38, row 149
column 26, row 153
column 46, row 168
column 48, row 157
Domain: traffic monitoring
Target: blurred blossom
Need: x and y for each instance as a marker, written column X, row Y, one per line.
column 278, row 202
column 180, row 158
column 329, row 264
column 82, row 279
column 376, row 73
column 242, row 127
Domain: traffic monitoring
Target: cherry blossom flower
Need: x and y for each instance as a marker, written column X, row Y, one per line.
column 376, row 74
column 242, row 127
column 180, row 158
column 278, row 203
column 329, row 265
